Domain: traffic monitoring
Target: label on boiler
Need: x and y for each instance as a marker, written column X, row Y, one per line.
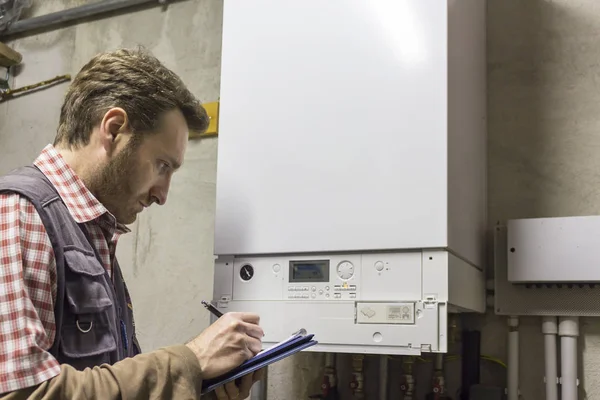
column 385, row 313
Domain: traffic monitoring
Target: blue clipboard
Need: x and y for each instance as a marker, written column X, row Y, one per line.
column 274, row 351
column 261, row 360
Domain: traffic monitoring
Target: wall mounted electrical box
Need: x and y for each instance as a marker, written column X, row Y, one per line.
column 554, row 250
column 351, row 177
column 547, row 267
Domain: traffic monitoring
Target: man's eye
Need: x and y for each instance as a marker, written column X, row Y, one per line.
column 163, row 166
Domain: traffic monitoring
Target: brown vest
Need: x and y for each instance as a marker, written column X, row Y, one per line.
column 94, row 320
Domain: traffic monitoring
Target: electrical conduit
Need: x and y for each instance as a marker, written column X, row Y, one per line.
column 568, row 330
column 550, row 330
column 513, row 358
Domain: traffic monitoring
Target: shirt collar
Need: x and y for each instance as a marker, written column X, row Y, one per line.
column 81, row 203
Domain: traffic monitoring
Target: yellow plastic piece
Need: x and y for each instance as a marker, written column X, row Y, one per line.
column 212, row 109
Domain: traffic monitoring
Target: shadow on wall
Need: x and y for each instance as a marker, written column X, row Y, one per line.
column 543, row 142
column 543, row 108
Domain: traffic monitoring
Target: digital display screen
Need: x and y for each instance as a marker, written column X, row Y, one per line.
column 309, row 271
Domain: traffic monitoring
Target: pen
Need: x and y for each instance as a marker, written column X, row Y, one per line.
column 213, row 310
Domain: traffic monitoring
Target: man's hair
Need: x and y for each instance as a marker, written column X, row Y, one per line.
column 133, row 80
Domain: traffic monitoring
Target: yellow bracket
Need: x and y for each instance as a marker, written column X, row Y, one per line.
column 212, row 109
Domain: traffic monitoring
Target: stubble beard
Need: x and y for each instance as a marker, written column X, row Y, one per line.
column 113, row 185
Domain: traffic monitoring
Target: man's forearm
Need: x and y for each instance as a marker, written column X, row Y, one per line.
column 169, row 373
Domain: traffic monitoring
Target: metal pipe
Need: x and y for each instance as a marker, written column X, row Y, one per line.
column 383, row 377
column 439, row 384
column 568, row 330
column 72, row 14
column 550, row 330
column 408, row 388
column 357, row 381
column 513, row 359
column 330, row 360
column 438, row 362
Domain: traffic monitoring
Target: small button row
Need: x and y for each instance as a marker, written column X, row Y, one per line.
column 339, row 295
column 298, row 296
column 347, row 288
column 298, row 288
column 301, row 296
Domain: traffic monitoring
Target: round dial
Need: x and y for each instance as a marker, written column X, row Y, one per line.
column 345, row 270
column 246, row 272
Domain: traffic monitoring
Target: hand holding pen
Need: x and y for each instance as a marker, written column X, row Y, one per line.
column 233, row 389
column 231, row 340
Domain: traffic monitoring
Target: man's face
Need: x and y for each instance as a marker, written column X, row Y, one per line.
column 140, row 174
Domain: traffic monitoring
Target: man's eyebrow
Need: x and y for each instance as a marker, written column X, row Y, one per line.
column 173, row 162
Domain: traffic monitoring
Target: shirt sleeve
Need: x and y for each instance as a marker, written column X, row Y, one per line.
column 164, row 374
column 27, row 291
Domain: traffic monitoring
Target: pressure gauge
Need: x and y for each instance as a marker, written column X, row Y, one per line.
column 246, row 272
column 345, row 270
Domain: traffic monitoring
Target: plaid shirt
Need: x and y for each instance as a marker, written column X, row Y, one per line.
column 28, row 272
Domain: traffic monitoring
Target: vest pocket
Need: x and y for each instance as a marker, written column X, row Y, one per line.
column 87, row 334
column 87, row 339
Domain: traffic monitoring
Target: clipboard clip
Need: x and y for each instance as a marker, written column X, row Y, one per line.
column 300, row 332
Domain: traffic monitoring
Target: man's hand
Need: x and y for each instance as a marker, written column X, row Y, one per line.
column 231, row 340
column 233, row 392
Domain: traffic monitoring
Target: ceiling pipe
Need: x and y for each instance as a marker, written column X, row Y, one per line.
column 72, row 14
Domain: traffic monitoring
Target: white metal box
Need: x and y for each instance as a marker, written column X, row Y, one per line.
column 556, row 250
column 539, row 298
column 352, row 125
column 352, row 142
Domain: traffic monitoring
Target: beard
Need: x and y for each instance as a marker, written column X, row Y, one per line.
column 114, row 186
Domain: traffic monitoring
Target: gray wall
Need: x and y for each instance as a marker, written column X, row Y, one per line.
column 544, row 147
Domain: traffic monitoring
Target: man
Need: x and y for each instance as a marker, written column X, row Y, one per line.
column 66, row 322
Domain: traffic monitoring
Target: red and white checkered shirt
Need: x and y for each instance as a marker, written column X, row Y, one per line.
column 28, row 272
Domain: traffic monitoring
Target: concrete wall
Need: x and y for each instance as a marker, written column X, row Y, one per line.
column 544, row 113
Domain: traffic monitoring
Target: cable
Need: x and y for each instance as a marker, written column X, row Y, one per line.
column 454, row 357
column 8, row 93
column 495, row 360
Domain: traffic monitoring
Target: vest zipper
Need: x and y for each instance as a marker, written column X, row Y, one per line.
column 117, row 323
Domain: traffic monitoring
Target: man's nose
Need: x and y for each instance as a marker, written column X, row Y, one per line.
column 159, row 193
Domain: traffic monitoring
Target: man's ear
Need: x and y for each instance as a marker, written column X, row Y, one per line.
column 114, row 129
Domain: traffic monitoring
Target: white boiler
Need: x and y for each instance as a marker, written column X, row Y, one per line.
column 351, row 176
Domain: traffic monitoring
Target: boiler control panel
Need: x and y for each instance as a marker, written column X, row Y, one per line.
column 332, row 278
column 310, row 279
column 296, row 279
column 376, row 302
